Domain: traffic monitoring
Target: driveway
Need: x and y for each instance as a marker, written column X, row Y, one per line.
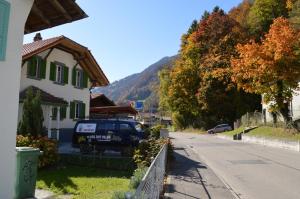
column 250, row 171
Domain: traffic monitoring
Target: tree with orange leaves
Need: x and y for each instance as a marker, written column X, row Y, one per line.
column 272, row 67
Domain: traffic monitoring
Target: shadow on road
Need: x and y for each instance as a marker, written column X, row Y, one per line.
column 186, row 172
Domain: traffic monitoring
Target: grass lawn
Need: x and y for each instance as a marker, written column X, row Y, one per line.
column 192, row 130
column 83, row 182
column 233, row 132
column 268, row 132
column 278, row 133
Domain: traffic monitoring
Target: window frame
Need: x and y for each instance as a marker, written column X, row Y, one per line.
column 77, row 110
column 79, row 79
column 4, row 34
column 61, row 67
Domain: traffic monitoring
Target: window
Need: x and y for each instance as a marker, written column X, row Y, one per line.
column 62, row 113
column 4, row 20
column 79, row 78
column 36, row 68
column 110, row 126
column 59, row 73
column 77, row 110
column 54, row 113
column 125, row 127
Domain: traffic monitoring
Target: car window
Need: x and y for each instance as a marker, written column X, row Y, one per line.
column 101, row 126
column 110, row 126
column 125, row 127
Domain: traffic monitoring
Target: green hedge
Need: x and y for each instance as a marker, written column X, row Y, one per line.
column 114, row 163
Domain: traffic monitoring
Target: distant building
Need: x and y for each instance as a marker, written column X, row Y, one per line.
column 102, row 107
column 100, row 100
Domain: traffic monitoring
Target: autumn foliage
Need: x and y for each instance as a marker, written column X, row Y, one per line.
column 228, row 61
column 271, row 67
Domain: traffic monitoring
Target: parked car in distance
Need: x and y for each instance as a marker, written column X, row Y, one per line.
column 220, row 128
column 112, row 134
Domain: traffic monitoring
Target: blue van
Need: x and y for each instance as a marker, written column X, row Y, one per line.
column 108, row 133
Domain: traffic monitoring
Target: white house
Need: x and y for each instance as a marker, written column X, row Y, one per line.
column 63, row 71
column 294, row 109
column 17, row 17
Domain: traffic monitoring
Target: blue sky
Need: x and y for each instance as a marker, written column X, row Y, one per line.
column 126, row 36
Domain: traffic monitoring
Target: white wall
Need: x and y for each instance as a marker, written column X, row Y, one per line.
column 9, row 86
column 68, row 92
column 295, row 108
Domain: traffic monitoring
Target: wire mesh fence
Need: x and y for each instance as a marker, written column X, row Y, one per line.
column 152, row 184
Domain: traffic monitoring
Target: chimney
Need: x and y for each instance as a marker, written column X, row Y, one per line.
column 37, row 37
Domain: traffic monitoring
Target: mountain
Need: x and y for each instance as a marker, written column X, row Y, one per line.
column 139, row 86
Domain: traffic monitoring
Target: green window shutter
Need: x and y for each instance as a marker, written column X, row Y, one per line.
column 74, row 76
column 54, row 113
column 85, row 80
column 52, row 71
column 4, row 21
column 63, row 112
column 66, row 75
column 30, row 67
column 43, row 64
column 72, row 110
column 82, row 110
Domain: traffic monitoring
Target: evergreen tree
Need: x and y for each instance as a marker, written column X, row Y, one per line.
column 32, row 118
column 262, row 14
column 295, row 14
column 193, row 27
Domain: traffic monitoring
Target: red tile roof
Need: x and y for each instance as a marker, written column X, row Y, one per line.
column 86, row 59
column 34, row 46
column 100, row 100
column 113, row 110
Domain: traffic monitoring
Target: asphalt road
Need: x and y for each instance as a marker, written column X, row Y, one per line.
column 250, row 171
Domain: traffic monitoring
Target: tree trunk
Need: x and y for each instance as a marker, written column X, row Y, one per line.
column 282, row 104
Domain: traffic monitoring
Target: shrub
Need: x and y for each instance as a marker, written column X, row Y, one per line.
column 155, row 131
column 137, row 177
column 121, row 194
column 48, row 146
column 146, row 151
column 32, row 117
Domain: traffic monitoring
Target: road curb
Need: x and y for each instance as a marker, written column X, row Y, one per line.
column 274, row 143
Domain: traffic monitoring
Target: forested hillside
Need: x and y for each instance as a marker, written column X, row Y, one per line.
column 140, row 86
